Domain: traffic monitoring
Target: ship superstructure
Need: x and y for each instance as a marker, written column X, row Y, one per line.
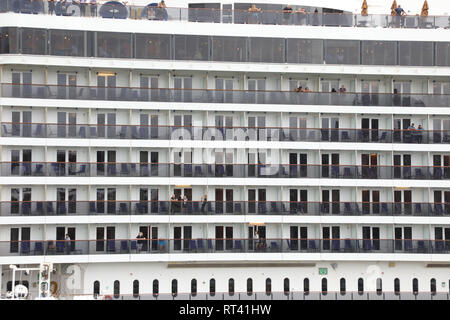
column 262, row 154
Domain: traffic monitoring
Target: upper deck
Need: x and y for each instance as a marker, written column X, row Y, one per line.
column 242, row 13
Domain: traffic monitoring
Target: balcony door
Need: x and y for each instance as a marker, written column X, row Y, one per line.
column 181, row 238
column 224, row 238
column 66, row 86
column 402, row 166
column 369, row 92
column 369, row 130
column 182, row 89
column 224, row 90
column 106, row 86
column 369, row 165
column 370, row 201
column 402, row 202
column 21, row 127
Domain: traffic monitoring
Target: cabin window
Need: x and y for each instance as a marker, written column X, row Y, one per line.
column 360, row 286
column 249, row 286
column 286, row 286
column 379, row 286
column 324, row 286
column 116, row 289
column 155, row 287
column 415, row 286
column 268, row 286
column 212, row 287
column 135, row 288
column 397, row 286
column 306, row 286
column 96, row 288
column 342, row 286
column 231, row 286
column 174, row 287
column 433, row 286
column 194, row 287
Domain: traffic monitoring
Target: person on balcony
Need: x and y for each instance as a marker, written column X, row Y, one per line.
column 419, row 134
column 254, row 14
column 287, row 11
column 140, row 241
column 204, row 201
column 400, row 16
column 342, row 89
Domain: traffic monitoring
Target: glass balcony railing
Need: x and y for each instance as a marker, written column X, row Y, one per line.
column 113, row 169
column 40, row 91
column 192, row 246
column 116, row 10
column 145, row 207
column 165, row 132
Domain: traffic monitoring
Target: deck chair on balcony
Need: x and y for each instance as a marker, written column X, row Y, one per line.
column 347, row 208
column 111, row 245
column 237, row 245
column 192, row 245
column 200, row 244
column 38, row 248
column 123, row 208
column 40, row 208
column 50, row 207
column 417, row 208
column 384, row 208
column 312, row 245
column 25, row 247
column 274, row 246
column 82, row 132
column 345, row 136
column 123, row 246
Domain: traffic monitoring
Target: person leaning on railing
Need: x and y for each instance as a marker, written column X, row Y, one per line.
column 93, row 5
column 254, row 14
column 51, row 7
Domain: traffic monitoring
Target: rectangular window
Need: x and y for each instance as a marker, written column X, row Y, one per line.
column 267, row 50
column 152, row 46
column 34, row 41
column 113, row 45
column 443, row 54
column 342, row 52
column 8, row 40
column 305, row 51
column 67, row 43
column 191, row 47
column 416, row 53
column 379, row 52
column 229, row 49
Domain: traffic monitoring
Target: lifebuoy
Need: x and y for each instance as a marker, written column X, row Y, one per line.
column 107, row 297
column 55, row 287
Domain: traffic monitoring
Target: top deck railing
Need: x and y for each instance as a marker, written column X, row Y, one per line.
column 117, row 10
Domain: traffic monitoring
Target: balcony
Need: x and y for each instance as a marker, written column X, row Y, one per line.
column 115, row 10
column 123, row 169
column 41, row 91
column 193, row 246
column 164, row 132
column 156, row 207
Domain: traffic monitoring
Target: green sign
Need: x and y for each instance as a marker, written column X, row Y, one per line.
column 323, row 271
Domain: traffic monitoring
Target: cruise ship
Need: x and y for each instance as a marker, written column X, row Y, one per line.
column 224, row 151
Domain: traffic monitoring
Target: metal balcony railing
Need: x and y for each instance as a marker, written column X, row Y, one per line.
column 42, row 91
column 214, row 207
column 124, row 169
column 166, row 132
column 235, row 245
column 116, row 10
